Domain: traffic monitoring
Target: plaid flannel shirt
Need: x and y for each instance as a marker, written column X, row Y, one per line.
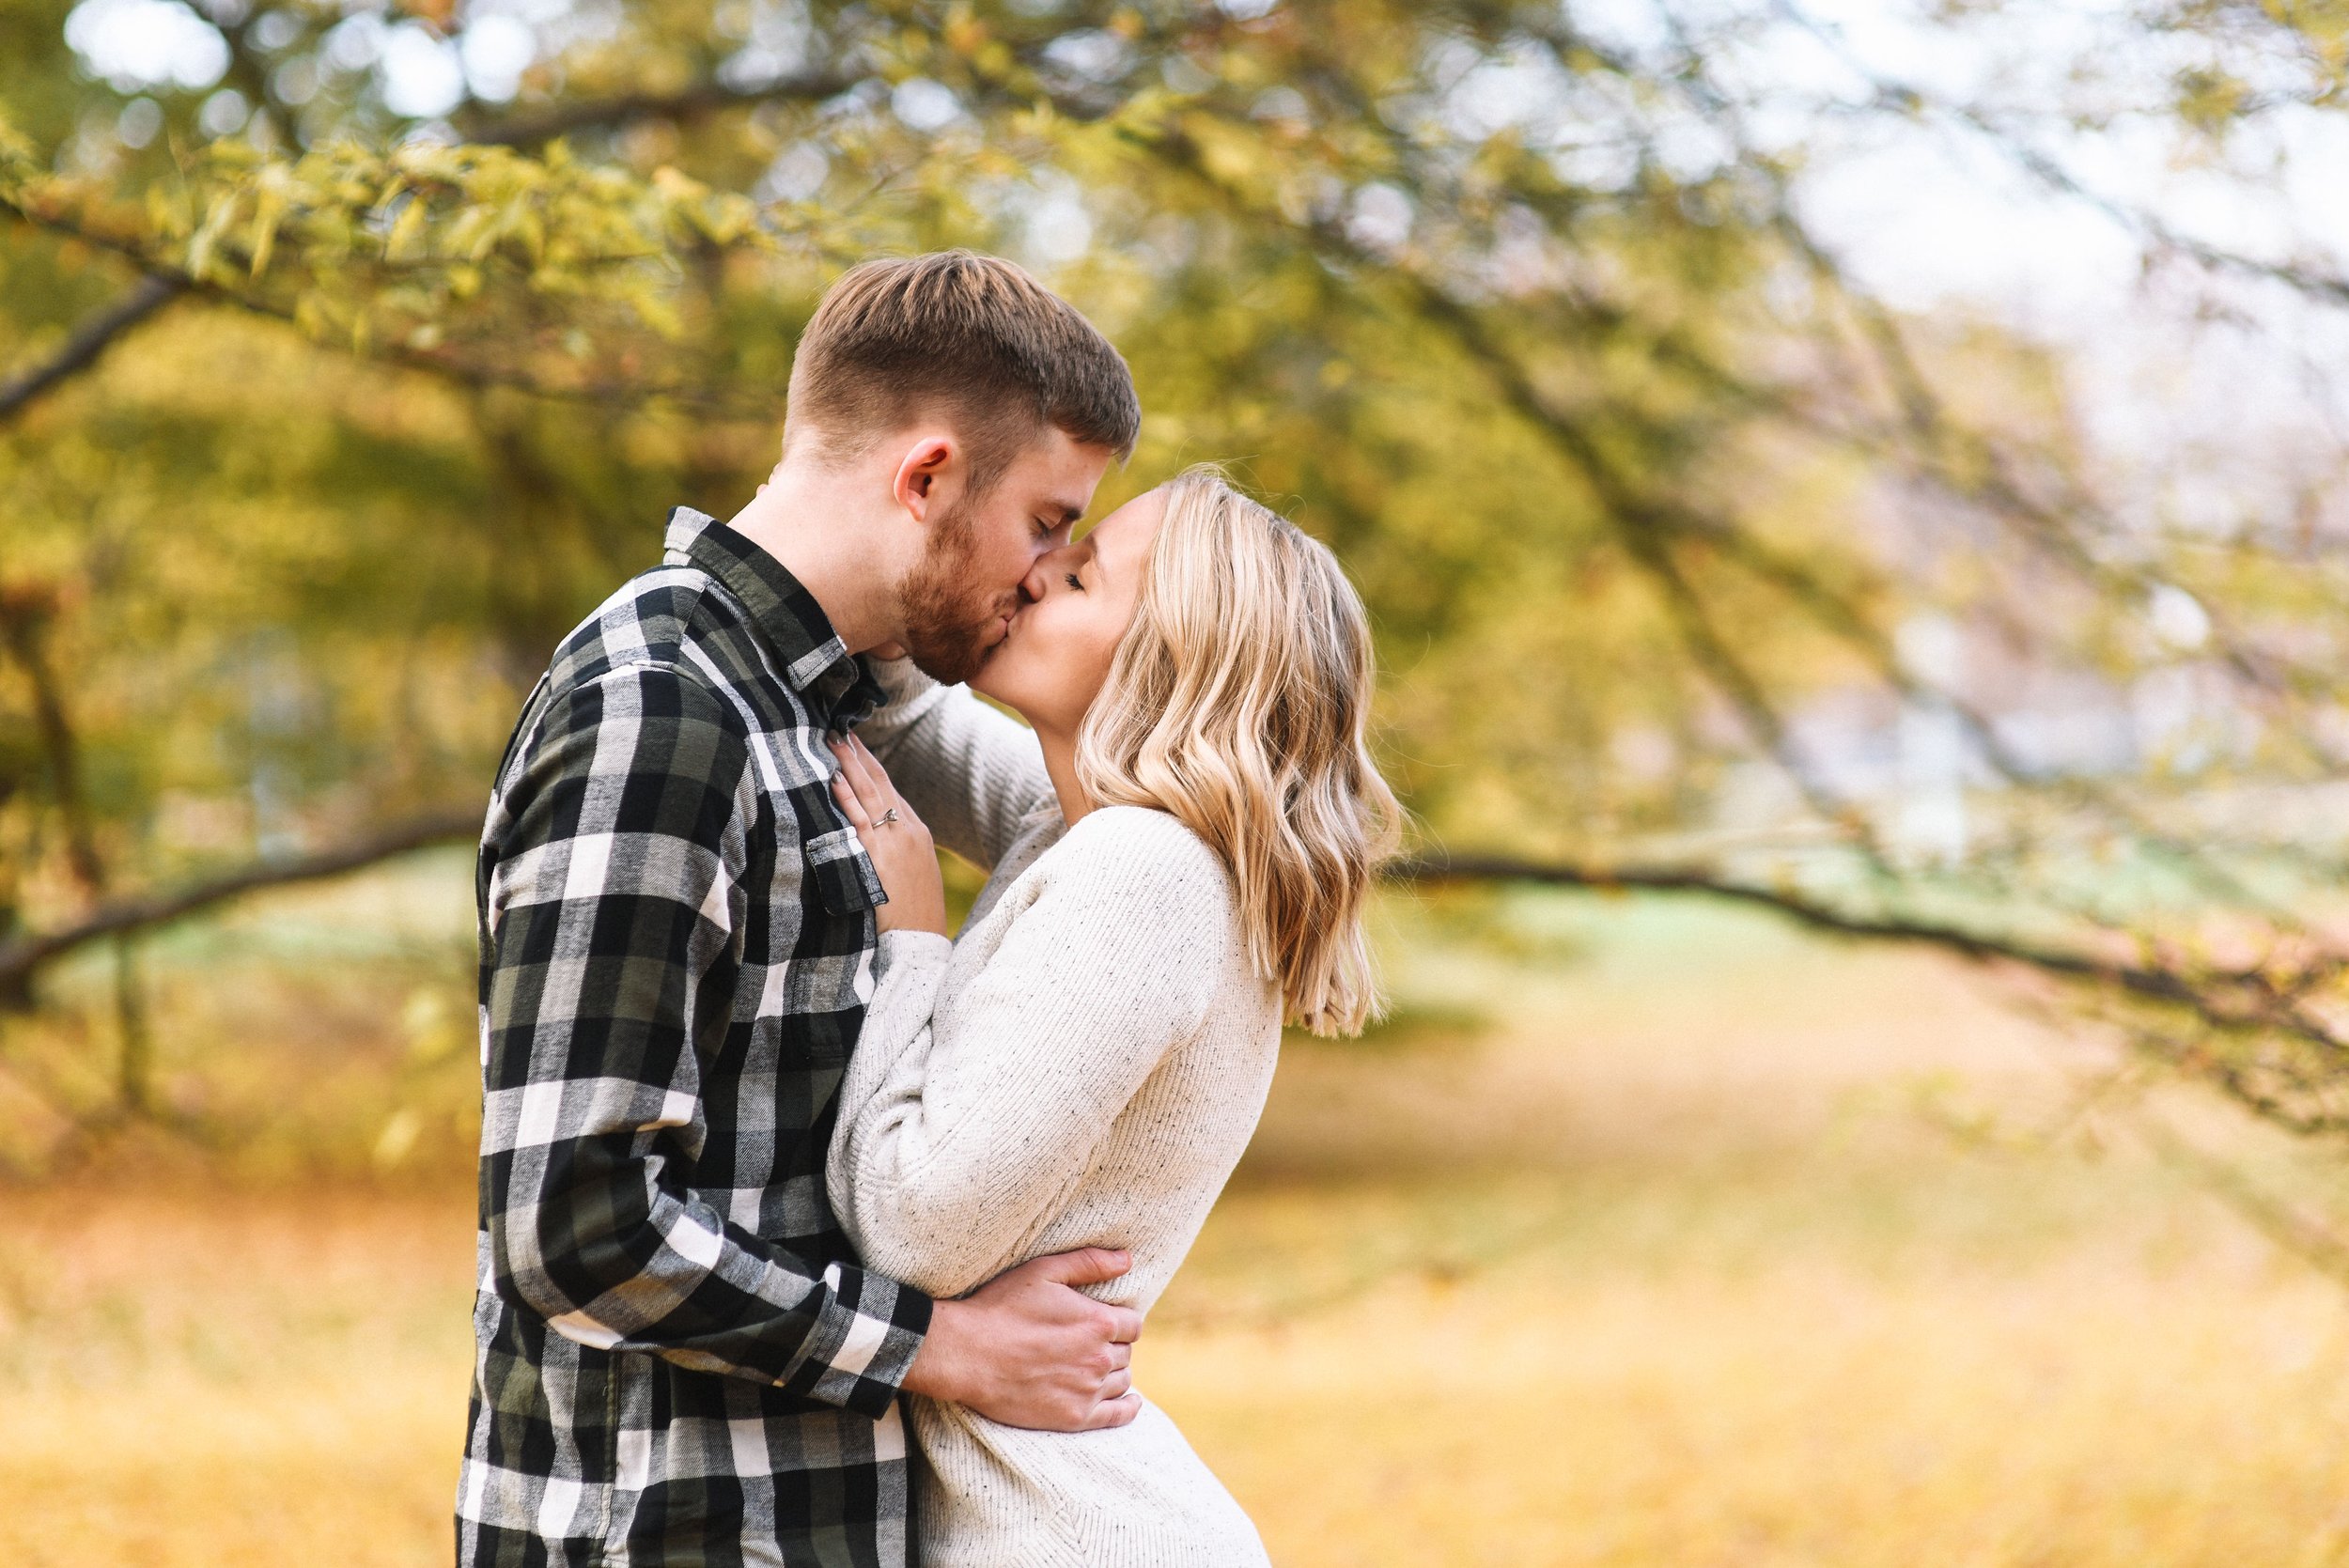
column 678, row 1359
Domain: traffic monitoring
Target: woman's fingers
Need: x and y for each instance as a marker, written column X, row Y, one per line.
column 850, row 807
column 871, row 786
column 851, row 783
column 885, row 789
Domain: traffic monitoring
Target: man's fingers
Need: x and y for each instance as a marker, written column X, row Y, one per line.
column 1117, row 1385
column 1114, row 1412
column 1121, row 1355
column 1087, row 1266
column 1125, row 1324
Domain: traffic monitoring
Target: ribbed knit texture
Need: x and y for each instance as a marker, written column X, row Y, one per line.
column 1081, row 1067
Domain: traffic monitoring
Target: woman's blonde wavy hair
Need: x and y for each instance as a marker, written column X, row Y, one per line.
column 1238, row 701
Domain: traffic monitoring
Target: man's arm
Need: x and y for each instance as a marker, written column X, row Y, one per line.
column 611, row 925
column 613, row 921
column 971, row 773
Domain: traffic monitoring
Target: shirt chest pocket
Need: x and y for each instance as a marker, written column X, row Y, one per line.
column 841, row 873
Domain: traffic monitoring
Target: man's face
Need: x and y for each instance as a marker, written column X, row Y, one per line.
column 961, row 598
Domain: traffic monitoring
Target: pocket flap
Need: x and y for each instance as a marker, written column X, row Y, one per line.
column 843, row 873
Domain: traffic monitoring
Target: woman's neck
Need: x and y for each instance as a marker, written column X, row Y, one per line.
column 1060, row 761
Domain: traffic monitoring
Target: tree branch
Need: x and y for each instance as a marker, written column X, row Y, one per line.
column 24, row 619
column 702, row 98
column 24, row 957
column 2228, row 1001
column 90, row 341
column 445, row 367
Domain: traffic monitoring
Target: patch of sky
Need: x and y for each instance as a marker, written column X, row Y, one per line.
column 1380, row 218
column 2178, row 618
column 777, row 42
column 141, row 119
column 354, row 43
column 274, row 30
column 1090, row 55
column 146, row 43
column 423, row 74
column 496, row 50
column 797, row 172
column 223, row 113
column 1058, row 229
column 296, row 82
column 1522, row 89
column 925, row 104
column 1280, row 105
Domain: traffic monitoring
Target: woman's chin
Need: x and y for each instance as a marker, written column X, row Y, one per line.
column 983, row 679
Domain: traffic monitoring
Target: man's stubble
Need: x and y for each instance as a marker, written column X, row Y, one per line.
column 946, row 621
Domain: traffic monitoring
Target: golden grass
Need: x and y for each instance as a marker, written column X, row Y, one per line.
column 1658, row 1268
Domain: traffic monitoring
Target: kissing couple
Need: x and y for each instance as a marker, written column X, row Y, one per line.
column 809, row 1236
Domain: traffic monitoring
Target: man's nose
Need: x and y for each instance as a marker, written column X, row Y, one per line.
column 1032, row 585
column 1039, row 579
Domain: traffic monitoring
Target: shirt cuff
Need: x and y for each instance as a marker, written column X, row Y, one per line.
column 865, row 1342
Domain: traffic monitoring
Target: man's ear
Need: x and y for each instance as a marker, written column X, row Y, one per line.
column 930, row 465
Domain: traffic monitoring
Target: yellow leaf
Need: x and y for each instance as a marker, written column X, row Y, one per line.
column 269, row 209
column 406, row 229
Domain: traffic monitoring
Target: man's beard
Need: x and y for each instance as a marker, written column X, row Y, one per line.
column 947, row 625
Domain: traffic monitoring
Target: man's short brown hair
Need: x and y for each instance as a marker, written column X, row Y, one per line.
column 969, row 336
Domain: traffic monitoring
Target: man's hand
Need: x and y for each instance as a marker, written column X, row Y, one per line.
column 1029, row 1349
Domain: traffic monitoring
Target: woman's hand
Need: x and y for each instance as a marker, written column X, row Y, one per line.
column 893, row 837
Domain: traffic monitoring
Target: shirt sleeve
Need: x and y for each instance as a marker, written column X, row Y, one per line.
column 612, row 921
column 970, row 771
column 960, row 1128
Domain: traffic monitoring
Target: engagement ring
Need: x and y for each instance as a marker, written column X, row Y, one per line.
column 886, row 817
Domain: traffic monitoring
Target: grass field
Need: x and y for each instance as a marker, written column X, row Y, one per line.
column 1626, row 1245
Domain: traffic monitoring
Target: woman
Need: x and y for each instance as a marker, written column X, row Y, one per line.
column 1180, row 845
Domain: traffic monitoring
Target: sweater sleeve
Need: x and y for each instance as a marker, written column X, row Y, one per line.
column 960, row 1126
column 972, row 773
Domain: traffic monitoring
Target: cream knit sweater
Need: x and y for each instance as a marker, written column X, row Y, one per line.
column 1081, row 1066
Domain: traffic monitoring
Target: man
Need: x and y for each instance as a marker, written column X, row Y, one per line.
column 678, row 1359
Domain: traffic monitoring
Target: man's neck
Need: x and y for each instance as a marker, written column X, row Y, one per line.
column 808, row 519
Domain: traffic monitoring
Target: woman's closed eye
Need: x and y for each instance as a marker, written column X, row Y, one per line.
column 1070, row 578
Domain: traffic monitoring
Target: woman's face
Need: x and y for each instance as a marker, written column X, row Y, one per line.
column 1080, row 597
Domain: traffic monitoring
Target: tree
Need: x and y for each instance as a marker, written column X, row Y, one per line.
column 363, row 352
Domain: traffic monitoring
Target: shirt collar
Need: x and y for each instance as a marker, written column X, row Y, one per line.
column 784, row 611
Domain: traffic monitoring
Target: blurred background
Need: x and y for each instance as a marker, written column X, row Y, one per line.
column 1850, row 495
